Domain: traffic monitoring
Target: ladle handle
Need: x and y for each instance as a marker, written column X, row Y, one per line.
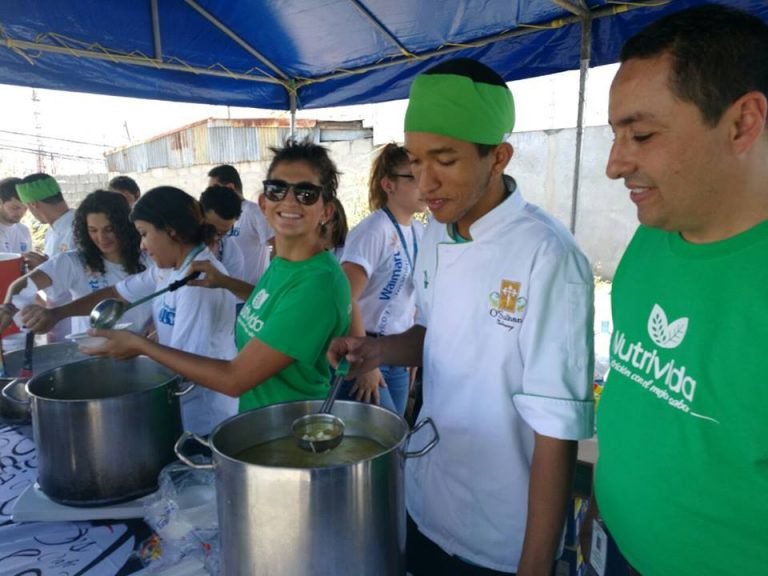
column 29, row 345
column 341, row 370
column 3, row 373
column 173, row 286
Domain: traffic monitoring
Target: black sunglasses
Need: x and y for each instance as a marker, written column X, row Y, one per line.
column 305, row 193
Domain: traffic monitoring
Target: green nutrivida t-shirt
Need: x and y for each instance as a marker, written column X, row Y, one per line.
column 296, row 308
column 682, row 477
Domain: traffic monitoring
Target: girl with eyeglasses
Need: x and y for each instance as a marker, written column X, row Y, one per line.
column 107, row 252
column 298, row 306
column 379, row 258
column 188, row 321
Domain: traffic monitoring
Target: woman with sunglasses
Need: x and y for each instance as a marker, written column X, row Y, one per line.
column 107, row 252
column 298, row 306
column 379, row 257
column 174, row 234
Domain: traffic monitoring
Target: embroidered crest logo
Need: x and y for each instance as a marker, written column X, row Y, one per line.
column 508, row 295
column 662, row 332
column 507, row 305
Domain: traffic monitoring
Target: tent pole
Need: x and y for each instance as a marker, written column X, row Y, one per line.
column 292, row 101
column 586, row 44
column 156, row 31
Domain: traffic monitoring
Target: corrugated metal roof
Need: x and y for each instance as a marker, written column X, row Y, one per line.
column 218, row 141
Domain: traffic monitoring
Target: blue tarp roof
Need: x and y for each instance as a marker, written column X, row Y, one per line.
column 328, row 52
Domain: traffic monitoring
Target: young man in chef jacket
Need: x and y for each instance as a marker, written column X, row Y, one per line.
column 504, row 334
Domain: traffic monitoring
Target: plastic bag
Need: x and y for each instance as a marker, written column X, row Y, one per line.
column 183, row 515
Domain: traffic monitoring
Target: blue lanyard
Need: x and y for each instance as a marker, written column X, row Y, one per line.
column 411, row 261
column 189, row 257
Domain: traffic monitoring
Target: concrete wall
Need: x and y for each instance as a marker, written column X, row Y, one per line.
column 543, row 166
column 78, row 186
column 353, row 159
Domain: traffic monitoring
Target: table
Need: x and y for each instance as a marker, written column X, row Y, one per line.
column 99, row 548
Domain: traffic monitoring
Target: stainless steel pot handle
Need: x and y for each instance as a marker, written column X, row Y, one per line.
column 185, row 390
column 178, row 448
column 7, row 391
column 431, row 444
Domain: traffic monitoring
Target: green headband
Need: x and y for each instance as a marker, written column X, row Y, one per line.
column 455, row 106
column 37, row 190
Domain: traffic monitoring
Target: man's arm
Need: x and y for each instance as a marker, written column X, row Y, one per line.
column 213, row 278
column 548, row 493
column 365, row 354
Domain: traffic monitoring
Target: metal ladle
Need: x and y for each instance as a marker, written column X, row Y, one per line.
column 107, row 312
column 322, row 431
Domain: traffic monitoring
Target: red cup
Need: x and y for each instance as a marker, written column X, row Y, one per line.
column 11, row 266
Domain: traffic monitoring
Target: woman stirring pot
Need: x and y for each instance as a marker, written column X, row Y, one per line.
column 301, row 302
column 198, row 321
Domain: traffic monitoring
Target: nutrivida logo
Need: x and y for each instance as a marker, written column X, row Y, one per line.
column 663, row 377
column 248, row 317
column 662, row 332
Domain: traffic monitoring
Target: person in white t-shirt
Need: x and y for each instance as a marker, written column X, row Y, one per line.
column 193, row 319
column 107, row 251
column 251, row 232
column 42, row 195
column 222, row 207
column 126, row 186
column 379, row 259
column 14, row 236
column 336, row 229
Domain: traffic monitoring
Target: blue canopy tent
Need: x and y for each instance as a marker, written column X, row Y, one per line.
column 260, row 53
column 289, row 54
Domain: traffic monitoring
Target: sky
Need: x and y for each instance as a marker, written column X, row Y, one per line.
column 74, row 130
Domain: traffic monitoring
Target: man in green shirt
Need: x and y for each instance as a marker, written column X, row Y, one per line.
column 682, row 479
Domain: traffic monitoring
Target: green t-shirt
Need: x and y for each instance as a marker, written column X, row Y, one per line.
column 296, row 308
column 682, row 479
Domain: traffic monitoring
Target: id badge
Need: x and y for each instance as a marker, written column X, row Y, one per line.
column 599, row 552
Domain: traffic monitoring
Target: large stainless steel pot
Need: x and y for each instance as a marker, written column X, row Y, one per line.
column 103, row 428
column 342, row 520
column 44, row 358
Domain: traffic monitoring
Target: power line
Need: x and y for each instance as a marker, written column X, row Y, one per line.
column 61, row 155
column 59, row 139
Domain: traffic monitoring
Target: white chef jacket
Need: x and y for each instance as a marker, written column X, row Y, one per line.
column 59, row 238
column 508, row 351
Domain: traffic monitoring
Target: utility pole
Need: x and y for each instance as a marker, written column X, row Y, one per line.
column 38, row 131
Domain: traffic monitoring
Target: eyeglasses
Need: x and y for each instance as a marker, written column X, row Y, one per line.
column 405, row 176
column 305, row 193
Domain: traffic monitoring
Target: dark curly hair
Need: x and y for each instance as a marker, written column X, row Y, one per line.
column 115, row 208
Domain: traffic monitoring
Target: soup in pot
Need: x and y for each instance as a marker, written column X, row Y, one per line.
column 284, row 453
